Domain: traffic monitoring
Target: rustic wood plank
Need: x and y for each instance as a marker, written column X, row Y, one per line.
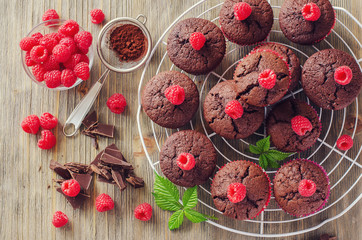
column 28, row 198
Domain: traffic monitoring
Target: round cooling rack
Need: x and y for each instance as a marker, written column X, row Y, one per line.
column 343, row 168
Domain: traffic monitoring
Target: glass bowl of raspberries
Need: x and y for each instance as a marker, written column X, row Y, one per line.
column 57, row 54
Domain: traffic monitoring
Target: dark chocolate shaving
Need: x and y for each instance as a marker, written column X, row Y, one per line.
column 77, row 167
column 90, row 119
column 136, row 182
column 117, row 177
column 60, row 169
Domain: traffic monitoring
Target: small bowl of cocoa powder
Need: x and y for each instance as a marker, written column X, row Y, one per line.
column 124, row 44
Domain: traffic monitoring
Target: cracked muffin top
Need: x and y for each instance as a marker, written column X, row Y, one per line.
column 185, row 57
column 257, row 185
column 320, row 85
column 220, row 122
column 160, row 110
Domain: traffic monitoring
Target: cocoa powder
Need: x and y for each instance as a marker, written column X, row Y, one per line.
column 129, row 42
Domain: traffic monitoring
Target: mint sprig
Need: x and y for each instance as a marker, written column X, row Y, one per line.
column 167, row 198
column 267, row 157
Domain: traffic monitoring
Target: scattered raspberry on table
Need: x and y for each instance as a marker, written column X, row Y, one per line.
column 50, row 14
column 97, row 16
column 345, row 142
column 71, row 188
column 47, row 140
column 117, row 103
column 104, row 203
column 143, row 212
column 59, row 219
column 31, row 124
column 48, row 121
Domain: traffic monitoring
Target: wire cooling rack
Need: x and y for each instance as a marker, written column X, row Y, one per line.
column 343, row 168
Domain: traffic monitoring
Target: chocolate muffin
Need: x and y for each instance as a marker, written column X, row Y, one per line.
column 319, row 83
column 160, row 110
column 223, row 124
column 279, row 126
column 255, row 28
column 195, row 143
column 182, row 53
column 287, row 189
column 299, row 30
column 257, row 185
column 290, row 57
column 248, row 71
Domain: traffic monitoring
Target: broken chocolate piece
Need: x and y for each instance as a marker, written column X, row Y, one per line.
column 105, row 174
column 107, row 159
column 76, row 201
column 136, row 182
column 105, row 180
column 95, row 142
column 60, row 169
column 90, row 119
column 115, row 153
column 101, row 129
column 59, row 181
column 113, row 147
column 77, row 167
column 84, row 180
column 117, row 177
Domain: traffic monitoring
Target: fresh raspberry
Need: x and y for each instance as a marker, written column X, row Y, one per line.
column 97, row 16
column 307, row 188
column 197, row 40
column 68, row 78
column 39, row 54
column 73, row 61
column 69, row 28
column 81, row 70
column 48, row 121
column 71, row 187
column 343, row 75
column 143, row 212
column 84, row 58
column 83, row 39
column 31, row 124
column 61, row 53
column 234, row 109
column 104, row 203
column 242, row 10
column 49, row 41
column 82, row 50
column 52, row 78
column 60, row 36
column 37, row 35
column 69, row 42
column 51, row 64
column 186, row 161
column 311, row 12
column 301, row 125
column 267, row 79
column 117, row 103
column 236, row 192
column 59, row 219
column 27, row 43
column 175, row 94
column 47, row 140
column 345, row 142
column 49, row 15
column 38, row 72
column 28, row 61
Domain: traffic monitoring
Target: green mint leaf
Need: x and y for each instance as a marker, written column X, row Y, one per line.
column 189, row 199
column 176, row 219
column 194, row 216
column 277, row 155
column 165, row 204
column 254, row 149
column 166, row 189
column 271, row 162
column 263, row 144
column 263, row 161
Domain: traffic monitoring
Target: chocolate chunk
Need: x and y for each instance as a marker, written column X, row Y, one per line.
column 105, row 173
column 90, row 119
column 60, row 169
column 105, row 180
column 76, row 201
column 95, row 142
column 113, row 147
column 77, row 167
column 136, row 182
column 59, row 181
column 115, row 153
column 101, row 129
column 112, row 161
column 117, row 177
column 84, row 180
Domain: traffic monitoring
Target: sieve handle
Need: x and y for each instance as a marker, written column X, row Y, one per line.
column 75, row 119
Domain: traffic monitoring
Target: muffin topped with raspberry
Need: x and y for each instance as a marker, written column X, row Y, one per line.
column 306, row 21
column 196, row 45
column 262, row 78
column 246, row 22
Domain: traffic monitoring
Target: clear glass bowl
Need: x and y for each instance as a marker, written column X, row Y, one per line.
column 46, row 27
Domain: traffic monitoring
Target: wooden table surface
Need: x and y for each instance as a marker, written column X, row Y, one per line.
column 28, row 198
